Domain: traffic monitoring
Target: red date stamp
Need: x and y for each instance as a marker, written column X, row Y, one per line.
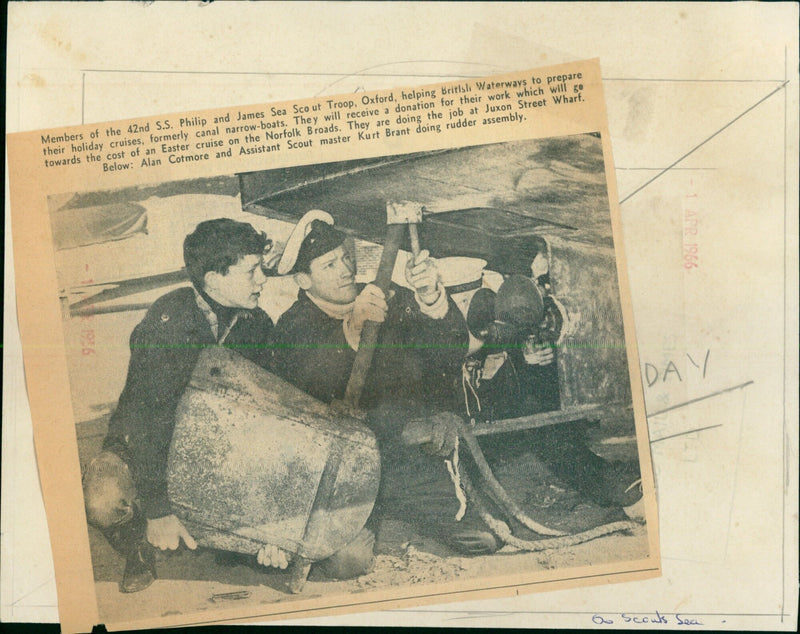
column 87, row 341
column 87, row 337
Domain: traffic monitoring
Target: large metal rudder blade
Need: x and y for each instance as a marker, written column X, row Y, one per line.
column 256, row 461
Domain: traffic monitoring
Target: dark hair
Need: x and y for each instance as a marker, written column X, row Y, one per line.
column 216, row 245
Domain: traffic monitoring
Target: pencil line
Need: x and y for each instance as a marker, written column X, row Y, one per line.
column 683, row 433
column 411, row 74
column 365, row 72
column 783, row 434
column 700, row 398
column 703, row 142
column 281, row 74
column 659, row 169
column 699, row 81
column 83, row 97
column 735, row 477
column 29, row 593
column 576, row 612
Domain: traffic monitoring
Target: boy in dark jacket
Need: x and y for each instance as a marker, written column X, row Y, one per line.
column 125, row 487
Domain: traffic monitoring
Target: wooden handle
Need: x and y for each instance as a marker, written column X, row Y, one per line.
column 369, row 333
column 414, row 234
column 298, row 574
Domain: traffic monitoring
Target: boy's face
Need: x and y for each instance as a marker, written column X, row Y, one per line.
column 241, row 286
column 331, row 277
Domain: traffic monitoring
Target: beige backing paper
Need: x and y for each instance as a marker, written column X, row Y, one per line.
column 702, row 104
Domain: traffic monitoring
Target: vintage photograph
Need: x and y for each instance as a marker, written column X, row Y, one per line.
column 397, row 373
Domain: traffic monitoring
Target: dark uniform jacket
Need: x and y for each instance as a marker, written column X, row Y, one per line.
column 164, row 350
column 418, row 359
column 517, row 389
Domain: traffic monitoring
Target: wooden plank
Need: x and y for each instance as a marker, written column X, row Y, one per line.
column 566, row 415
column 124, row 288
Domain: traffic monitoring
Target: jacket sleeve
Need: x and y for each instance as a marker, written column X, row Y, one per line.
column 442, row 342
column 158, row 373
column 429, row 350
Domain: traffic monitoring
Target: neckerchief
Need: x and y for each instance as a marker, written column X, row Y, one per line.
column 336, row 311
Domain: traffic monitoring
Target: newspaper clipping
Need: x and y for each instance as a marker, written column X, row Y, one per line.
column 345, row 353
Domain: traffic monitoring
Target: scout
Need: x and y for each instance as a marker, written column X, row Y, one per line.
column 414, row 378
column 514, row 374
column 125, row 487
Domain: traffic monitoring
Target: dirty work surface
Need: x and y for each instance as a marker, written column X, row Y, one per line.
column 207, row 580
column 210, row 580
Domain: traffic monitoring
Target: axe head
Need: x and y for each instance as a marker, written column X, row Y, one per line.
column 403, row 213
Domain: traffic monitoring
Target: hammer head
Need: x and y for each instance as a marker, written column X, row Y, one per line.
column 403, row 213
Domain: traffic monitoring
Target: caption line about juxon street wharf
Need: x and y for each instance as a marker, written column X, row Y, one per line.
column 336, row 121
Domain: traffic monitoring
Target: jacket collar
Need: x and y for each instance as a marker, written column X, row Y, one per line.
column 212, row 313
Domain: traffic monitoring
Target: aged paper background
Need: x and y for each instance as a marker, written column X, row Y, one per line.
column 706, row 90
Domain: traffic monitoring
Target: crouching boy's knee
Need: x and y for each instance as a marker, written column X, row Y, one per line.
column 108, row 491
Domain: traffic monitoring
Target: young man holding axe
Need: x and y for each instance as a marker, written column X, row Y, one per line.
column 317, row 338
column 414, row 373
